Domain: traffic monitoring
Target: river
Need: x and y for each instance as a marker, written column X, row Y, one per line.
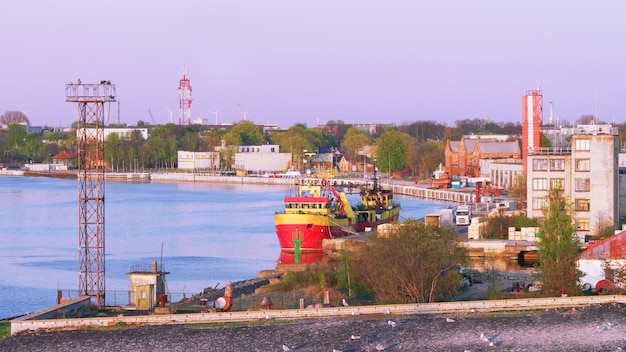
column 205, row 234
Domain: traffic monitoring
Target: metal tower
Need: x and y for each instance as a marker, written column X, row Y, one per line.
column 184, row 98
column 91, row 121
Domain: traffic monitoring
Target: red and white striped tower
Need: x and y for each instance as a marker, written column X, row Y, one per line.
column 184, row 98
column 532, row 116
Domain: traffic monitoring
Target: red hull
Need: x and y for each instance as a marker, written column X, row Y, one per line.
column 311, row 236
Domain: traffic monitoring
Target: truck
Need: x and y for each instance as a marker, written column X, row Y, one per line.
column 463, row 215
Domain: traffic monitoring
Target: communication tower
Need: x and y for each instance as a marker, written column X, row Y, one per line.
column 91, row 99
column 184, row 98
column 532, row 116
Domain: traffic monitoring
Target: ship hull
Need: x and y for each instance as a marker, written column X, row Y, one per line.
column 311, row 230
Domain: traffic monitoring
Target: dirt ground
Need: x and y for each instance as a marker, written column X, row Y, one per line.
column 595, row 328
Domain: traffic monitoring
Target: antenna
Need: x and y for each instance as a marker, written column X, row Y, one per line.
column 215, row 113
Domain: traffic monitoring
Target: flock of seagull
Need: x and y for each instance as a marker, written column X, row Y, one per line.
column 358, row 342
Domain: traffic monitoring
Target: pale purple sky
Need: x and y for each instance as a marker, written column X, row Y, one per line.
column 287, row 61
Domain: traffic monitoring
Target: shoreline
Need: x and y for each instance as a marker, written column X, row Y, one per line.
column 400, row 187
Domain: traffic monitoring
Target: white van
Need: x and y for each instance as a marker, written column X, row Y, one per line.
column 292, row 174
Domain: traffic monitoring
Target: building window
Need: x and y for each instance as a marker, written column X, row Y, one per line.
column 557, row 183
column 582, row 204
column 582, row 225
column 557, row 164
column 540, row 164
column 540, row 184
column 582, row 185
column 582, row 165
column 539, row 203
column 583, row 144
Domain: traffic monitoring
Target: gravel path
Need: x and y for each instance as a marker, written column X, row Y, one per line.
column 596, row 328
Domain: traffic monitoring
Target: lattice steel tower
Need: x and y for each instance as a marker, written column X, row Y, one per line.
column 91, row 99
column 184, row 98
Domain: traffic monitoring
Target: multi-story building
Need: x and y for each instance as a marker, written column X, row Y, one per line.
column 587, row 171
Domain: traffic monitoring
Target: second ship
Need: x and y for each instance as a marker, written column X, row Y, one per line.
column 321, row 210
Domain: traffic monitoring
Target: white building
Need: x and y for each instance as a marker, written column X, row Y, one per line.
column 198, row 160
column 260, row 158
column 501, row 172
column 122, row 133
column 587, row 172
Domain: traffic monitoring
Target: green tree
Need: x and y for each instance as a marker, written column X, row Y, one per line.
column 17, row 136
column 354, row 140
column 392, row 148
column 419, row 264
column 249, row 133
column 557, row 249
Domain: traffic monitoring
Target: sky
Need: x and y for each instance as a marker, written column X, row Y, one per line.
column 287, row 61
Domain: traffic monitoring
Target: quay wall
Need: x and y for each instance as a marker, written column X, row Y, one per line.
column 412, row 190
column 404, row 188
column 521, row 304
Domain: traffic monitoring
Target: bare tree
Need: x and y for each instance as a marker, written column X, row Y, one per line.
column 10, row 117
column 419, row 264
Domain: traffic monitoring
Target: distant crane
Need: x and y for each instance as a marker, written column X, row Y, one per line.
column 151, row 117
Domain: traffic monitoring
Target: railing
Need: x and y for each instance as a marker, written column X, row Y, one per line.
column 550, row 151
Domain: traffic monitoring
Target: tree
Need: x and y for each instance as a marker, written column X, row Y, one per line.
column 250, row 134
column 604, row 226
column 497, row 226
column 419, row 264
column 518, row 191
column 429, row 155
column 391, row 152
column 557, row 249
column 354, row 140
column 10, row 117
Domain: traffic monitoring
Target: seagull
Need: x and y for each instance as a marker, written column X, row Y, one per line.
column 450, row 320
column 268, row 317
column 489, row 340
column 392, row 323
column 355, row 337
column 344, row 302
column 380, row 347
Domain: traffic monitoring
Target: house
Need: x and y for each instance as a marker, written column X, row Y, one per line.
column 463, row 158
column 65, row 158
column 592, row 260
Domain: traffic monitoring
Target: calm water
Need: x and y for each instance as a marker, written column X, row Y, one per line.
column 210, row 234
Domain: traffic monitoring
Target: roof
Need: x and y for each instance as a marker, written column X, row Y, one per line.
column 454, row 145
column 613, row 247
column 492, row 147
column 65, row 155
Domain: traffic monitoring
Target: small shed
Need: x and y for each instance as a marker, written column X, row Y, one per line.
column 592, row 260
column 147, row 286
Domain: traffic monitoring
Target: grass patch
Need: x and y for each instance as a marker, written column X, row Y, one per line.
column 5, row 330
column 511, row 313
column 236, row 324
